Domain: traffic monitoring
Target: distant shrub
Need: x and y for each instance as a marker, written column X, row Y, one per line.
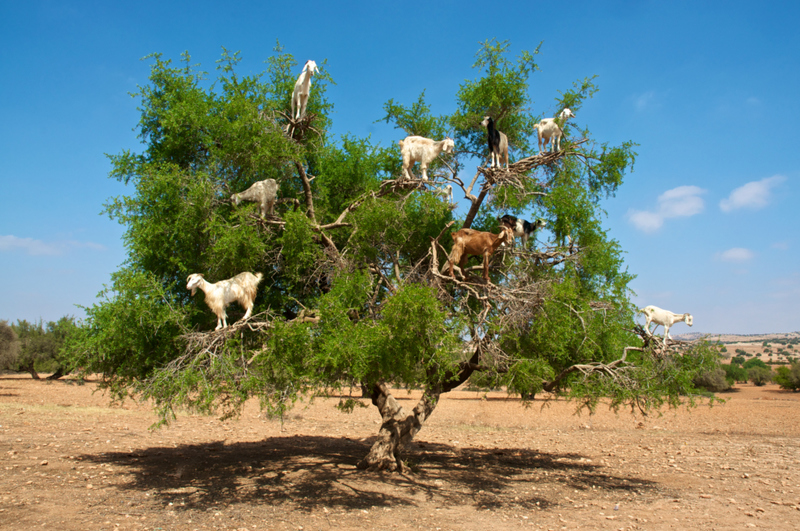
column 755, row 362
column 714, row 381
column 734, row 373
column 9, row 346
column 760, row 375
column 737, row 360
column 789, row 377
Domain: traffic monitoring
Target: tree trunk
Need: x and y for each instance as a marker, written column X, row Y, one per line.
column 398, row 428
column 56, row 375
column 29, row 368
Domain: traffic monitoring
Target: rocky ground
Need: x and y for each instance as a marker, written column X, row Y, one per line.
column 70, row 461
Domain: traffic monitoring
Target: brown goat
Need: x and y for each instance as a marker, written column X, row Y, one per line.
column 469, row 242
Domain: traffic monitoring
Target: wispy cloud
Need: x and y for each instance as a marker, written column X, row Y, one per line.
column 683, row 201
column 644, row 101
column 736, row 254
column 38, row 247
column 780, row 246
column 753, row 195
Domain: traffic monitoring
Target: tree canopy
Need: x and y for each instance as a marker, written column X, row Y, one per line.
column 353, row 299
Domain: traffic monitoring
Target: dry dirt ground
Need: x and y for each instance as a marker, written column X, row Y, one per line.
column 69, row 461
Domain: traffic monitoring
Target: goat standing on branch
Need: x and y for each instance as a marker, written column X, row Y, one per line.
column 498, row 143
column 241, row 288
column 550, row 132
column 263, row 192
column 522, row 228
column 470, row 242
column 654, row 314
column 302, row 90
column 422, row 150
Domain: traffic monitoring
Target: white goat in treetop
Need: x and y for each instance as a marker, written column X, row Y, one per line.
column 522, row 229
column 302, row 89
column 241, row 288
column 498, row 143
column 654, row 314
column 422, row 150
column 264, row 192
column 549, row 130
column 470, row 242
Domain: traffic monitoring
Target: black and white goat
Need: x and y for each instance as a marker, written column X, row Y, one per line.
column 522, row 229
column 498, row 143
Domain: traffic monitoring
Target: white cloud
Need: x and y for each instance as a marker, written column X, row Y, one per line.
column 683, row 201
column 753, row 195
column 736, row 254
column 38, row 247
column 780, row 246
column 644, row 101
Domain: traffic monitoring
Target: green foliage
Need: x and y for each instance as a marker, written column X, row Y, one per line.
column 9, row 346
column 40, row 345
column 737, row 360
column 713, row 381
column 789, row 377
column 760, row 375
column 754, row 362
column 735, row 373
column 350, row 296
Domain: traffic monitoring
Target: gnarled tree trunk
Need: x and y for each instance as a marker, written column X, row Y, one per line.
column 399, row 427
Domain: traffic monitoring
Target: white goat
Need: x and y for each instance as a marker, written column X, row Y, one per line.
column 470, row 242
column 446, row 192
column 498, row 143
column 241, row 288
column 549, row 130
column 521, row 228
column 264, row 192
column 422, row 150
column 665, row 318
column 302, row 89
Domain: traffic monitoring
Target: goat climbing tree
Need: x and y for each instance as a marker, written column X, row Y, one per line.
column 354, row 300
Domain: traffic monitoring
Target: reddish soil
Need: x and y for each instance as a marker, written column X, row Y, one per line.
column 70, row 461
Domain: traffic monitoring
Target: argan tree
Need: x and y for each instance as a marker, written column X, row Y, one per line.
column 354, row 299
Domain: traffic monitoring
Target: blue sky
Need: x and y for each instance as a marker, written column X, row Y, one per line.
column 709, row 90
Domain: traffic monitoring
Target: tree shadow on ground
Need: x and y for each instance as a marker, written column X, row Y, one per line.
column 317, row 472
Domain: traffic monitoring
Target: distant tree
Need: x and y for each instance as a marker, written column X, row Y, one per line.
column 760, row 375
column 724, row 349
column 737, row 360
column 789, row 377
column 713, row 381
column 9, row 346
column 41, row 346
column 354, row 298
column 754, row 362
column 734, row 373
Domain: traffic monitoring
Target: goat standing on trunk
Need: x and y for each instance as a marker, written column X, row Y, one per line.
column 241, row 288
column 550, row 132
column 470, row 242
column 665, row 318
column 498, row 143
column 302, row 90
column 422, row 150
column 263, row 192
column 522, row 228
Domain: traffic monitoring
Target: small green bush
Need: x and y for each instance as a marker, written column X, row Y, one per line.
column 789, row 377
column 734, row 373
column 760, row 375
column 714, row 381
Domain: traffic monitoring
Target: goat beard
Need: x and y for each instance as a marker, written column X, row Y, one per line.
column 194, row 289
